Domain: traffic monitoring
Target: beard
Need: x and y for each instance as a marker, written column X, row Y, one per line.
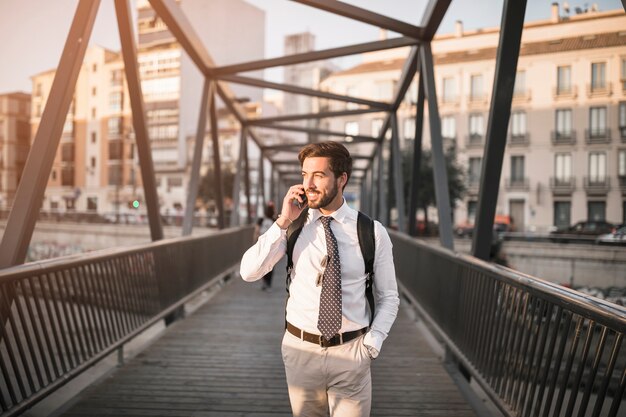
column 325, row 199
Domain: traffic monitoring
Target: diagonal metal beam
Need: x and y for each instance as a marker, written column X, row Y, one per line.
column 192, row 192
column 244, row 134
column 442, row 195
column 32, row 186
column 433, row 15
column 320, row 115
column 296, row 162
column 365, row 16
column 301, row 90
column 313, row 56
column 506, row 66
column 131, row 68
column 417, row 158
column 295, row 147
column 217, row 165
column 398, row 179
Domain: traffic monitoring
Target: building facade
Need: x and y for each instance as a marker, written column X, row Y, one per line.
column 95, row 167
column 14, row 143
column 565, row 158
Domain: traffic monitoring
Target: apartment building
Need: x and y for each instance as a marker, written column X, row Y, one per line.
column 172, row 85
column 95, row 168
column 14, row 143
column 565, row 158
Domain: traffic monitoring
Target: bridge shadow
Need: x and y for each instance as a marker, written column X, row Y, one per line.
column 224, row 360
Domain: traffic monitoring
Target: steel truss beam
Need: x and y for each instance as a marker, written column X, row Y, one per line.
column 433, row 15
column 313, row 56
column 501, row 97
column 417, row 158
column 320, row 115
column 365, row 16
column 32, row 186
column 355, row 138
column 237, row 79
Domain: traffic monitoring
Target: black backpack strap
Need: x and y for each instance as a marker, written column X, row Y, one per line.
column 293, row 231
column 367, row 242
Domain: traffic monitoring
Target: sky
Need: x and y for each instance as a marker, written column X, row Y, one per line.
column 33, row 32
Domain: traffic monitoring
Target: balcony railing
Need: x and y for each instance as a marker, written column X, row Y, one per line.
column 595, row 136
column 599, row 90
column 597, row 186
column 564, row 93
column 475, row 140
column 562, row 185
column 517, row 183
column 519, row 139
column 563, row 138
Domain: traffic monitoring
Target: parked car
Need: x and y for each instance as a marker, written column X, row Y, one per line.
column 582, row 229
column 501, row 224
column 617, row 237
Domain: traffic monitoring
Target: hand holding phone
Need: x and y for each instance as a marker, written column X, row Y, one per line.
column 304, row 201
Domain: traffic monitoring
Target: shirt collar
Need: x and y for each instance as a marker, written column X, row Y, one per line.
column 342, row 214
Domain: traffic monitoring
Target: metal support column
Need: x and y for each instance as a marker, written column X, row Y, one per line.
column 217, row 164
column 192, row 192
column 497, row 125
column 131, row 68
column 234, row 214
column 382, row 198
column 259, row 187
column 398, row 178
column 246, row 160
column 439, row 163
column 32, row 186
column 417, row 157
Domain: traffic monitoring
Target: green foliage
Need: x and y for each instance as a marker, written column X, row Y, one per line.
column 206, row 188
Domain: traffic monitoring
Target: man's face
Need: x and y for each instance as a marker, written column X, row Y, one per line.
column 321, row 186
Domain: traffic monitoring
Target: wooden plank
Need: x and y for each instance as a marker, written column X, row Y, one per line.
column 224, row 360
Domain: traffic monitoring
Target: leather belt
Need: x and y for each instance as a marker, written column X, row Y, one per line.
column 317, row 339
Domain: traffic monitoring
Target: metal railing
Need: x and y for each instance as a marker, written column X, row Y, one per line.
column 536, row 348
column 60, row 317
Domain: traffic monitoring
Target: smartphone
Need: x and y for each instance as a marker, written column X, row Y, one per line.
column 299, row 204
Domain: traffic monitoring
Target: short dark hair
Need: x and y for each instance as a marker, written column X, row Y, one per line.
column 340, row 159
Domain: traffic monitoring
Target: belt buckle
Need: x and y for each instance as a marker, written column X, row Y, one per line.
column 328, row 343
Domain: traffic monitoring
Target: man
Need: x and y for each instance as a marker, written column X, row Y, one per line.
column 328, row 346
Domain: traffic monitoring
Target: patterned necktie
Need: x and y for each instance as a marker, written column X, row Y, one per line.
column 329, row 318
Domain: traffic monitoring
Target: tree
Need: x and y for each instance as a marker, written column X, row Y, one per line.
column 426, row 187
column 206, row 188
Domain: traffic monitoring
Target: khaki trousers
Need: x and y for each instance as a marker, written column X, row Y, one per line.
column 322, row 380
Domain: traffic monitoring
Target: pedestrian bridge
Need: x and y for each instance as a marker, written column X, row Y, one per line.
column 534, row 348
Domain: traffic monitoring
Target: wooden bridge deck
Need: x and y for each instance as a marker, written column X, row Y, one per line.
column 224, row 360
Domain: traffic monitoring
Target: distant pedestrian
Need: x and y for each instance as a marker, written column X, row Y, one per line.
column 263, row 224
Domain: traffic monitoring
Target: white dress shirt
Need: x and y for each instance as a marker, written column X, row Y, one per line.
column 308, row 252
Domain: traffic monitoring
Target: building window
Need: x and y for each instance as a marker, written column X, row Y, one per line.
column 93, row 91
column 53, row 175
column 38, row 90
column 621, row 163
column 517, row 169
column 352, row 128
column 67, row 152
column 598, row 76
column 449, row 90
column 562, row 168
column 114, row 126
column 377, row 124
column 597, row 122
column 93, row 162
column 94, row 67
column 518, row 124
column 94, row 137
column 476, row 126
column 562, row 213
column 476, row 87
column 564, row 123
column 116, row 78
column 351, row 91
column 93, row 112
column 596, row 210
column 67, row 176
column 38, row 110
column 520, row 84
column 115, row 102
column 115, row 175
column 472, row 205
column 622, row 119
column 408, row 129
column 475, row 165
column 564, row 80
column 448, row 127
column 623, row 74
column 115, row 150
column 597, row 167
column 92, row 203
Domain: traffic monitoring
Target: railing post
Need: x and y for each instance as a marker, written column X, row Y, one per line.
column 217, row 164
column 417, row 157
column 398, row 178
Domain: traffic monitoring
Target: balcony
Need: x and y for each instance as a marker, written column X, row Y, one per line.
column 478, row 100
column 519, row 139
column 597, row 186
column 603, row 90
column 521, row 96
column 597, row 136
column 475, row 140
column 517, row 184
column 565, row 93
column 563, row 138
column 562, row 185
column 622, row 133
